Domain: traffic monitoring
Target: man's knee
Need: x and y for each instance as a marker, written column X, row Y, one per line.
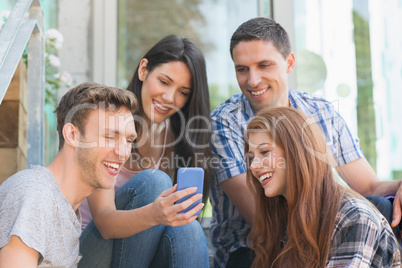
column 383, row 205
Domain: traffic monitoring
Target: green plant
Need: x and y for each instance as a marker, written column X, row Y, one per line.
column 54, row 79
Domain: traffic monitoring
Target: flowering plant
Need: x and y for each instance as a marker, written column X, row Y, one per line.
column 54, row 79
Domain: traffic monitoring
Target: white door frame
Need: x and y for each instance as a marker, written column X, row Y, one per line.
column 104, row 54
column 283, row 13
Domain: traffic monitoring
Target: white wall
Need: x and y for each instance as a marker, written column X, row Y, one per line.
column 75, row 23
column 283, row 14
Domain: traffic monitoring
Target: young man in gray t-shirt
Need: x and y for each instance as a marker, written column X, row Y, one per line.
column 34, row 210
column 39, row 219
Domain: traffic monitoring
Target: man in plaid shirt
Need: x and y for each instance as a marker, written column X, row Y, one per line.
column 262, row 56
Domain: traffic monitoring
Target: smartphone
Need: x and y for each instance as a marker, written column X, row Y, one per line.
column 190, row 177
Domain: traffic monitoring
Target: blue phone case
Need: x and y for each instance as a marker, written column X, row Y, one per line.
column 190, row 177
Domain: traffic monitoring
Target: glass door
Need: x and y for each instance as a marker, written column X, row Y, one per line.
column 349, row 52
column 209, row 23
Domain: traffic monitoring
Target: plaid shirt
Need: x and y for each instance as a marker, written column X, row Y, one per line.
column 362, row 237
column 228, row 229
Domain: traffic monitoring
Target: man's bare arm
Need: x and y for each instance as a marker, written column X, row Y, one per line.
column 17, row 254
column 236, row 189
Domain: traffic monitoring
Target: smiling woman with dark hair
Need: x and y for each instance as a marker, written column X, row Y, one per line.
column 304, row 218
column 139, row 224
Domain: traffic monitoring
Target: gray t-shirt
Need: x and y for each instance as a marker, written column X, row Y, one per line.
column 33, row 208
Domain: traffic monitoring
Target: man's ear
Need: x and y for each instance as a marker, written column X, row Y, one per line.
column 71, row 135
column 142, row 69
column 291, row 61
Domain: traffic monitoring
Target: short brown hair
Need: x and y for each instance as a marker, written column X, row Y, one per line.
column 264, row 29
column 80, row 100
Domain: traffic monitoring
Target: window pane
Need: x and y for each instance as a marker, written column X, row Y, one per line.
column 348, row 52
column 50, row 9
column 209, row 23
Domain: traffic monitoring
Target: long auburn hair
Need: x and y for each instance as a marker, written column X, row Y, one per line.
column 295, row 232
column 195, row 112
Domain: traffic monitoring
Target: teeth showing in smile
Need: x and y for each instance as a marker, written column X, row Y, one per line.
column 258, row 93
column 265, row 176
column 160, row 106
column 111, row 166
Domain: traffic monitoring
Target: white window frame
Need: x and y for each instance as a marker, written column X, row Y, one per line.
column 284, row 15
column 104, row 54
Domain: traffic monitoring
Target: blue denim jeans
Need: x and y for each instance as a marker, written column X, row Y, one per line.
column 159, row 246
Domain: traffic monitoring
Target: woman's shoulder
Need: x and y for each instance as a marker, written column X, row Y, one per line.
column 358, row 210
column 362, row 236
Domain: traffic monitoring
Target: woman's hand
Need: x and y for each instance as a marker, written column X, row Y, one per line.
column 166, row 212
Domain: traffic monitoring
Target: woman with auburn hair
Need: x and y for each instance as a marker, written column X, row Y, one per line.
column 304, row 218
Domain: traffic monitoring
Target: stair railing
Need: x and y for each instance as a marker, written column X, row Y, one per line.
column 18, row 32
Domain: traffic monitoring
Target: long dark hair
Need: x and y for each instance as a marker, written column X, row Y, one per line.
column 306, row 219
column 193, row 144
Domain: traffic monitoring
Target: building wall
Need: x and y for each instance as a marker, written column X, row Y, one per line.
column 75, row 23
